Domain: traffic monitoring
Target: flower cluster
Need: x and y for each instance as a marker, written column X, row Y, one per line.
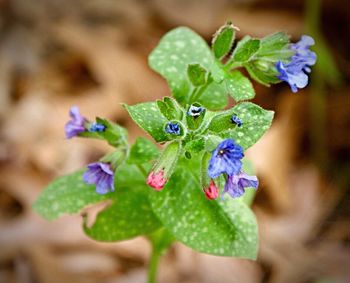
column 100, row 174
column 227, row 159
column 294, row 72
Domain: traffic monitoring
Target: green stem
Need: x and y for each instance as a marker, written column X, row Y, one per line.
column 161, row 241
column 142, row 170
column 231, row 64
column 196, row 95
column 153, row 265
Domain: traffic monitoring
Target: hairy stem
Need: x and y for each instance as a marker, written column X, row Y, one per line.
column 161, row 241
column 153, row 265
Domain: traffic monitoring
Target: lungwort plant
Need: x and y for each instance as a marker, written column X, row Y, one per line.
column 196, row 186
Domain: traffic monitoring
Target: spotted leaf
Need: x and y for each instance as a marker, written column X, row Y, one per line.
column 148, row 116
column 219, row 227
column 255, row 122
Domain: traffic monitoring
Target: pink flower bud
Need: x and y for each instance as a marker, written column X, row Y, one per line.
column 156, row 181
column 212, row 192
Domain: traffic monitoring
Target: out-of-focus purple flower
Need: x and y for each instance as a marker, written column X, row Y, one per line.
column 173, row 128
column 96, row 127
column 101, row 174
column 195, row 111
column 212, row 192
column 236, row 184
column 226, row 158
column 294, row 72
column 75, row 126
column 156, row 181
column 236, row 120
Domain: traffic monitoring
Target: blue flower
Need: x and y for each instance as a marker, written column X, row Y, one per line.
column 226, row 158
column 102, row 175
column 236, row 120
column 195, row 111
column 75, row 126
column 293, row 72
column 96, row 127
column 236, row 184
column 173, row 128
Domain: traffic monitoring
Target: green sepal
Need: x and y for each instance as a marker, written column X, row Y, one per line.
column 114, row 134
column 168, row 159
column 223, row 40
column 275, row 47
column 246, row 49
column 196, row 74
column 115, row 158
column 148, row 116
column 142, row 151
column 256, row 121
column 265, row 75
column 239, row 86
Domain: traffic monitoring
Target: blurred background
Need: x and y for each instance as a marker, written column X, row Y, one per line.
column 93, row 54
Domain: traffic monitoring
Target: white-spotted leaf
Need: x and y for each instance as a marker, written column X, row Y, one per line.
column 66, row 195
column 239, row 86
column 255, row 122
column 219, row 227
column 148, row 116
column 175, row 51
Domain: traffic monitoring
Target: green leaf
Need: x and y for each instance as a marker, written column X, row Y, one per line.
column 66, row 195
column 256, row 121
column 219, row 227
column 196, row 145
column 175, row 51
column 214, row 97
column 130, row 214
column 148, row 116
column 239, row 86
column 246, row 49
column 197, row 74
column 142, row 151
column 217, row 72
column 223, row 40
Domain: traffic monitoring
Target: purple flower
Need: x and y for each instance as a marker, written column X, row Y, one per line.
column 236, row 184
column 236, row 120
column 102, row 175
column 173, row 128
column 75, row 126
column 226, row 158
column 96, row 127
column 294, row 72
